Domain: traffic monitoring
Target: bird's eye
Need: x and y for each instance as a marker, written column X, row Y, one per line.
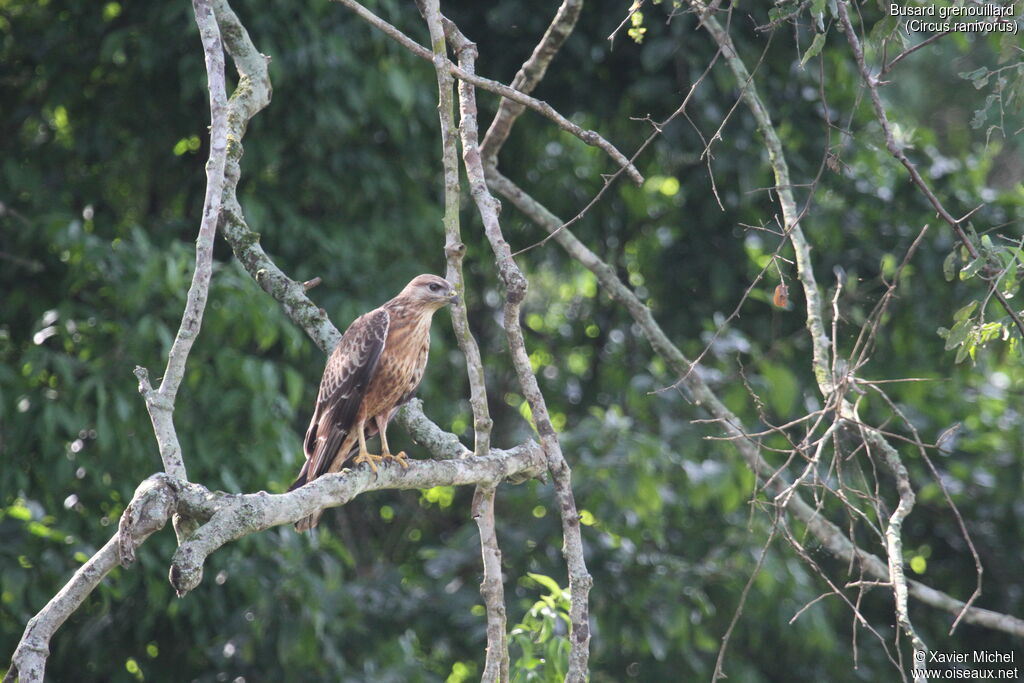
column 434, row 287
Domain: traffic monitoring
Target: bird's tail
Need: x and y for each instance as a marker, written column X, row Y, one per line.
column 308, row 523
column 301, row 479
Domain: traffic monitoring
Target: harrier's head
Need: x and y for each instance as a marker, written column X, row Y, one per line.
column 430, row 291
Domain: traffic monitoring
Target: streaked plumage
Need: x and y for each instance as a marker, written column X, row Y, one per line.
column 374, row 369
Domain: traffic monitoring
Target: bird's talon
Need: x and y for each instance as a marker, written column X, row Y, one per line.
column 369, row 458
column 402, row 459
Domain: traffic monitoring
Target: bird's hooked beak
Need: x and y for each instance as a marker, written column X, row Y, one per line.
column 454, row 299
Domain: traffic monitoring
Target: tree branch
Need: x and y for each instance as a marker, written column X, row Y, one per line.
column 160, row 403
column 827, row 533
column 492, row 589
column 454, row 249
column 783, row 186
column 893, row 539
column 588, row 136
column 148, row 511
column 235, row 516
column 915, row 177
column 250, row 97
column 516, row 285
column 529, row 75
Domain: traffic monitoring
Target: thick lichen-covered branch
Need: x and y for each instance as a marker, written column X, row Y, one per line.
column 250, row 97
column 148, row 511
column 235, row 516
column 222, row 517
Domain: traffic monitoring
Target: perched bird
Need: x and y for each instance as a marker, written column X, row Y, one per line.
column 374, row 369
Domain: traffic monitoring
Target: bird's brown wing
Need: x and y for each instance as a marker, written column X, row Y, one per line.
column 348, row 372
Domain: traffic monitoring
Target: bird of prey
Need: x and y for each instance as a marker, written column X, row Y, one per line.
column 374, row 369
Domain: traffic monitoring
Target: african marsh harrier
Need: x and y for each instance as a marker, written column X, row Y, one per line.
column 374, row 369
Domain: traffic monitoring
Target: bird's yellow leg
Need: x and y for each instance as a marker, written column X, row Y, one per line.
column 364, row 455
column 382, row 427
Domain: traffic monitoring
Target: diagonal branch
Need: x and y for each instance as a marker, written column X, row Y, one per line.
column 529, row 75
column 148, row 511
column 588, row 136
column 783, row 187
column 828, row 534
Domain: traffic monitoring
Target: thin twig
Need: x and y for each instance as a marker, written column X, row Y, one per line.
column 911, row 50
column 719, row 673
column 783, row 187
column 890, row 142
column 827, row 533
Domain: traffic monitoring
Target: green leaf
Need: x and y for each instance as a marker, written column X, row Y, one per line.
column 949, row 266
column 978, row 77
column 814, row 49
column 958, row 334
column 972, row 268
column 964, row 312
column 783, row 388
column 546, row 581
column 964, row 351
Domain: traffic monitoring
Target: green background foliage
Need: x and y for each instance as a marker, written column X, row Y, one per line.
column 102, row 145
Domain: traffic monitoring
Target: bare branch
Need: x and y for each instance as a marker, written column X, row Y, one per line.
column 491, row 588
column 893, row 538
column 529, row 75
column 827, row 533
column 29, row 661
column 454, row 249
column 911, row 50
column 783, row 187
column 148, row 511
column 440, row 443
column 235, row 516
column 250, row 97
column 160, row 403
column 588, row 136
column 915, row 177
column 516, row 285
